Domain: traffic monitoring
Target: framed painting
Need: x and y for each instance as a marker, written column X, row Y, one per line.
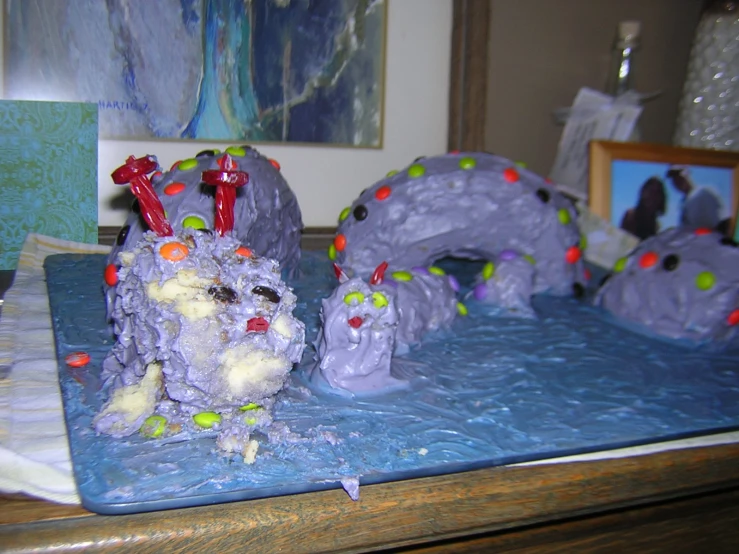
column 646, row 188
column 221, row 70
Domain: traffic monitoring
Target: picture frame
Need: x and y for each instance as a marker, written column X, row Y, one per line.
column 698, row 188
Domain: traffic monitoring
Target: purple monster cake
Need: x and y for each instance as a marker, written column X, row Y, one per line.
column 205, row 335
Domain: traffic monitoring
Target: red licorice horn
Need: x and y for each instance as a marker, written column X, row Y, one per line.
column 135, row 171
column 340, row 275
column 226, row 182
column 379, row 275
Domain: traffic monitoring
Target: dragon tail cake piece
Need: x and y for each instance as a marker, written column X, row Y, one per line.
column 466, row 205
column 679, row 284
column 365, row 324
column 205, row 336
column 266, row 214
column 507, row 282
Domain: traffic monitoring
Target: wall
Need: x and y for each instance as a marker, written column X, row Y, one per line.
column 542, row 51
column 326, row 180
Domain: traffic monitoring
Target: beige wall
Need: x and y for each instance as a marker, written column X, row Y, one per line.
column 542, row 51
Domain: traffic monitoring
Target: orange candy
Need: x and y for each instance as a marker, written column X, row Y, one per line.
column 174, row 251
column 111, row 275
column 275, row 164
column 340, row 242
column 174, row 188
column 77, row 359
column 244, row 251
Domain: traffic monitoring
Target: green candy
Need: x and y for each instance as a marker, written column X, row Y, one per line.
column 250, row 406
column 331, row 252
column 583, row 242
column 391, row 173
column 487, row 270
column 236, row 151
column 188, row 164
column 467, row 163
column 461, row 309
column 344, row 213
column 206, row 419
column 379, row 299
column 403, row 276
column 153, row 426
column 352, row 296
column 250, row 420
column 529, row 258
column 620, row 264
column 193, row 222
column 705, row 280
column 564, row 216
column 416, row 170
column 437, row 271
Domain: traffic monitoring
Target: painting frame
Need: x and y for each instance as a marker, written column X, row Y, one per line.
column 603, row 155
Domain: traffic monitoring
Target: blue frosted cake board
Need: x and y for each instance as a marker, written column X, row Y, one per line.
column 492, row 390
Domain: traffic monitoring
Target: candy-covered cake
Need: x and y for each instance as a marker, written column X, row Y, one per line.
column 680, row 284
column 205, row 335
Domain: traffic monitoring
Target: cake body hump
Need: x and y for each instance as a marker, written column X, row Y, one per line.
column 464, row 205
column 680, row 284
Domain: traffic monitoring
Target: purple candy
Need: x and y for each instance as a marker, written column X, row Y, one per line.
column 508, row 255
column 480, row 291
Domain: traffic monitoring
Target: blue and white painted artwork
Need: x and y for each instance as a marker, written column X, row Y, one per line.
column 307, row 71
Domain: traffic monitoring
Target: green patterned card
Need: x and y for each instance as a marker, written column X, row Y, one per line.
column 48, row 173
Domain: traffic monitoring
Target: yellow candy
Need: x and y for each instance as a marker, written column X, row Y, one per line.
column 187, row 164
column 250, row 406
column 153, row 426
column 332, row 252
column 620, row 264
column 436, row 270
column 461, row 309
column 206, row 419
column 488, row 270
column 236, row 151
column 344, row 213
column 564, row 216
column 401, row 276
column 379, row 299
column 356, row 295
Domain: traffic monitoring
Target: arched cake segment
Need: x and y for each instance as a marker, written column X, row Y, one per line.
column 468, row 205
column 679, row 284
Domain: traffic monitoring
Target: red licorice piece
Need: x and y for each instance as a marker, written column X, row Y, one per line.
column 135, row 172
column 226, row 183
column 379, row 274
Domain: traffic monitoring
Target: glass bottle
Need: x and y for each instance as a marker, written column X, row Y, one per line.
column 622, row 58
column 707, row 114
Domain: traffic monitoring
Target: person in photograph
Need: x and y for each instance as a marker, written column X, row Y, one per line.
column 702, row 207
column 642, row 220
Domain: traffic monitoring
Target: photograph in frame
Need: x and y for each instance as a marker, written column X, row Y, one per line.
column 644, row 189
column 222, row 70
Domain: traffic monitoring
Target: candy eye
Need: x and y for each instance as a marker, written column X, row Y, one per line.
column 266, row 292
column 355, row 296
column 227, row 295
column 360, row 212
column 379, row 299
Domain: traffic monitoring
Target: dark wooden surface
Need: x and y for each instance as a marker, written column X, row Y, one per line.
column 681, row 499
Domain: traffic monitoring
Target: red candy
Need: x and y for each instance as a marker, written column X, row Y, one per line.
column 275, row 164
column 355, row 322
column 383, row 192
column 733, row 318
column 703, row 231
column 77, row 359
column 648, row 259
column 573, row 255
column 174, row 188
column 111, row 275
column 257, row 324
column 510, row 175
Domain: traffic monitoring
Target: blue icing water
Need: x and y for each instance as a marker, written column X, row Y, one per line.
column 489, row 390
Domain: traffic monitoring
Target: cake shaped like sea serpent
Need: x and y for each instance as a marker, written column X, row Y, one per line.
column 464, row 205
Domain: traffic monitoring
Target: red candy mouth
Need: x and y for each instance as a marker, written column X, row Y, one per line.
column 257, row 324
column 355, row 322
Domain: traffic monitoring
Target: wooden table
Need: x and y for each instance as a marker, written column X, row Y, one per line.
column 678, row 501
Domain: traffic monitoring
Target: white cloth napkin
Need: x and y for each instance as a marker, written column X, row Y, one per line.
column 34, row 452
